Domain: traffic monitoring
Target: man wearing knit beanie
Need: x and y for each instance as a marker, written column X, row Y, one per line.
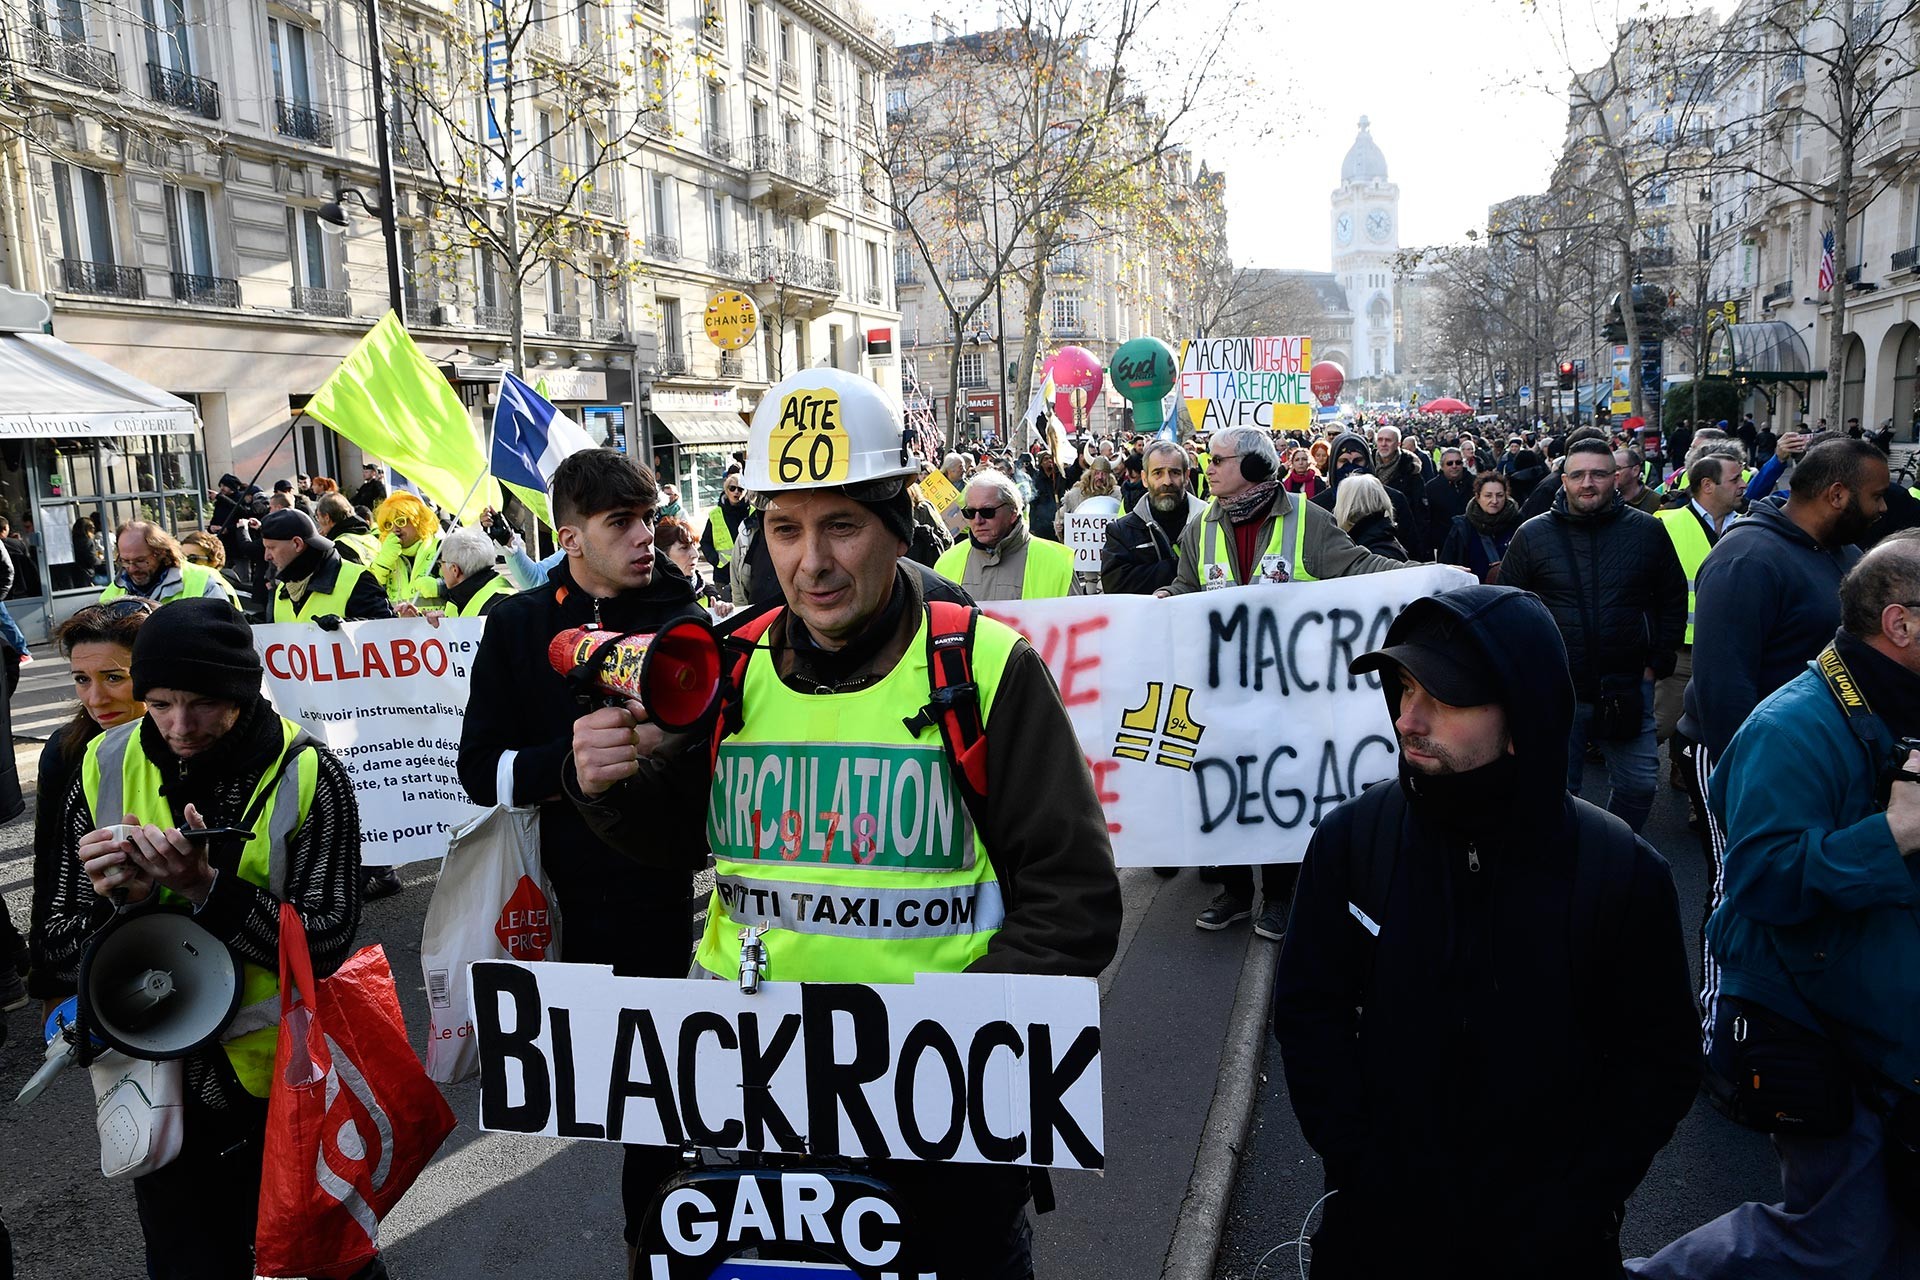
column 315, row 583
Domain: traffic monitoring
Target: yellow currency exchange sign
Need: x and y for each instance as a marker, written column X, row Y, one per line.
column 810, row 445
column 732, row 320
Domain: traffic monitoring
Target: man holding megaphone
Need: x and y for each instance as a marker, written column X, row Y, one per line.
column 195, row 811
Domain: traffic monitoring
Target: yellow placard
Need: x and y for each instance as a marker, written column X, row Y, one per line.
column 732, row 320
column 810, row 444
column 939, row 490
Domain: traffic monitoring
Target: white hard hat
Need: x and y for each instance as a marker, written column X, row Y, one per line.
column 826, row 429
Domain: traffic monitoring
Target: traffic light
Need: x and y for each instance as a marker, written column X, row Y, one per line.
column 1566, row 375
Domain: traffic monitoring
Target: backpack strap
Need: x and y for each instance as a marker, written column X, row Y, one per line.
column 736, row 652
column 953, row 698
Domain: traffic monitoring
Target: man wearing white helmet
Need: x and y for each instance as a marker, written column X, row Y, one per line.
column 842, row 680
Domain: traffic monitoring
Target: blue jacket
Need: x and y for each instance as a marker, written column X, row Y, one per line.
column 1765, row 602
column 1820, row 910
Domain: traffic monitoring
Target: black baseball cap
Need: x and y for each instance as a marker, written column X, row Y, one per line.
column 1437, row 652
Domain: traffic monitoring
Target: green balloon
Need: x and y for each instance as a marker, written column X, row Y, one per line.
column 1142, row 371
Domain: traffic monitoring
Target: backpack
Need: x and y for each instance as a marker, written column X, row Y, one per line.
column 1597, row 923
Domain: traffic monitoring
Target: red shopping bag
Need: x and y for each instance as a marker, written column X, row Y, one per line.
column 351, row 1120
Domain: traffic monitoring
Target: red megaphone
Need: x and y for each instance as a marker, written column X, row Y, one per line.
column 674, row 673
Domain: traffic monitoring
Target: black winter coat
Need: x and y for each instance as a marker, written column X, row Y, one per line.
column 1138, row 557
column 1409, row 480
column 1376, row 533
column 1620, row 597
column 1515, row 1070
column 1445, row 500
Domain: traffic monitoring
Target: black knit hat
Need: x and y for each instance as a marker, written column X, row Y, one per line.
column 200, row 646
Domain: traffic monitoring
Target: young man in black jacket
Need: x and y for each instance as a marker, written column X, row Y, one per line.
column 1614, row 584
column 636, row 918
column 1483, row 1001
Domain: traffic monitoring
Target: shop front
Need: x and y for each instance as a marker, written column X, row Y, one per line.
column 85, row 447
column 695, row 435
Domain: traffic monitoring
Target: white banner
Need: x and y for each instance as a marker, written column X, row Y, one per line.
column 973, row 1068
column 1222, row 726
column 388, row 699
column 1086, row 537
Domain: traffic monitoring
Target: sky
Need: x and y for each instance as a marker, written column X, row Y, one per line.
column 1463, row 96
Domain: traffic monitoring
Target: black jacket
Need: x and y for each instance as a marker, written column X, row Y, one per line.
column 1620, row 600
column 1514, row 1072
column 370, row 494
column 1445, row 500
column 1377, row 534
column 616, row 911
column 1137, row 559
column 1408, row 479
column 368, row 599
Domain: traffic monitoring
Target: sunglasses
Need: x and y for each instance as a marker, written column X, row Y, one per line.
column 976, row 513
column 200, row 560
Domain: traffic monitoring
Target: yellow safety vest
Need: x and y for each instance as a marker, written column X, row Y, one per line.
column 318, row 604
column 1048, row 572
column 365, row 546
column 722, row 534
column 1691, row 545
column 193, row 585
column 407, row 572
column 496, row 587
column 1216, row 566
column 118, row 779
column 844, row 834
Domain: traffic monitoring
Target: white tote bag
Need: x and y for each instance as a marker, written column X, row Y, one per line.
column 492, row 902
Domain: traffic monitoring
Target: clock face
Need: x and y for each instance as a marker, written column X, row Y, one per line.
column 1343, row 229
column 1379, row 224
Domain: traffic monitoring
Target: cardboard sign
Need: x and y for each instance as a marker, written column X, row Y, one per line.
column 1222, row 726
column 1247, row 382
column 388, row 698
column 939, row 491
column 973, row 1068
column 1087, row 536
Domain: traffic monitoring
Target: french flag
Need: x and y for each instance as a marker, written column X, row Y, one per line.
column 531, row 439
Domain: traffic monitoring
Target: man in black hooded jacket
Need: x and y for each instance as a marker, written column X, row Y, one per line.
column 1483, row 1001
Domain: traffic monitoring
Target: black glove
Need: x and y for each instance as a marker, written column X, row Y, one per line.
column 500, row 531
column 329, row 621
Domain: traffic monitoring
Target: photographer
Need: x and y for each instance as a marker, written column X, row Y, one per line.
column 1814, row 1030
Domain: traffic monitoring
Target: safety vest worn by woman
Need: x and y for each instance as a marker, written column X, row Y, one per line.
column 496, row 587
column 118, row 779
column 722, row 534
column 1276, row 565
column 845, row 834
column 407, row 572
column 193, row 585
column 318, row 604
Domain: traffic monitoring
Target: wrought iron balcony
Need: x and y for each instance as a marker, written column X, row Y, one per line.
column 187, row 92
column 1907, row 259
column 789, row 75
column 1655, row 256
column 863, row 117
column 1070, row 265
column 73, row 60
column 874, row 295
column 78, row 275
column 970, row 381
column 656, row 121
column 1853, row 276
column 598, row 200
column 756, row 57
column 823, row 92
column 673, row 363
column 543, row 44
column 550, row 188
column 205, row 291
column 719, row 145
column 322, row 302
column 1077, row 329
column 731, row 365
column 493, row 319
column 726, row 262
column 765, row 155
column 407, row 146
column 906, row 275
column 966, row 271
column 784, row 266
column 658, row 6
column 563, row 326
column 608, row 331
column 303, row 120
column 662, row 248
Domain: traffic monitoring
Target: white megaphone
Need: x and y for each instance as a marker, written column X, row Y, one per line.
column 155, row 985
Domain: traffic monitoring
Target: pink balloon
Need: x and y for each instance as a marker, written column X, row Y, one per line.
column 1325, row 380
column 1075, row 369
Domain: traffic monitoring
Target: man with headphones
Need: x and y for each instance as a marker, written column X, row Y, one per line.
column 1255, row 531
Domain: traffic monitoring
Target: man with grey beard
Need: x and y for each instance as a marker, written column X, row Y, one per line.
column 1138, row 558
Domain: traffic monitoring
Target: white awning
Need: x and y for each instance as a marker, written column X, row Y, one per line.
column 703, row 428
column 48, row 388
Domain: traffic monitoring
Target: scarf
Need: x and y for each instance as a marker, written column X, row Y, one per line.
column 1251, row 505
column 1494, row 526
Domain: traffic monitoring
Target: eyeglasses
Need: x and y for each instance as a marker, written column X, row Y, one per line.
column 206, row 561
column 1221, row 457
column 982, row 513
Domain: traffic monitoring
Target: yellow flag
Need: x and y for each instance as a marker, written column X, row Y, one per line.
column 392, row 401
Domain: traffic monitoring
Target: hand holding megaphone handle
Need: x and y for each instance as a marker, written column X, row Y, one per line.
column 586, row 676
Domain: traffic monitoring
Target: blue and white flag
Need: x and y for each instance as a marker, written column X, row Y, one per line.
column 531, row 439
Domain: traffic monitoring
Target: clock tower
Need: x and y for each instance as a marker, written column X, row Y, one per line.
column 1366, row 235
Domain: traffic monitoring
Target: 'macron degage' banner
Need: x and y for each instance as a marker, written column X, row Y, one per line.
column 388, row 698
column 1222, row 726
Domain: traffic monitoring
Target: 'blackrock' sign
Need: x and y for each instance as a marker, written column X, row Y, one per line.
column 1222, row 726
column 974, row 1068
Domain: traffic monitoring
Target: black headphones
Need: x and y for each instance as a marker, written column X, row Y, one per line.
column 1255, row 467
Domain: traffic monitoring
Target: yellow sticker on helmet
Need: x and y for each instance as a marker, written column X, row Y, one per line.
column 809, row 446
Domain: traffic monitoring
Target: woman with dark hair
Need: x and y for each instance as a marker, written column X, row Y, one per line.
column 1478, row 540
column 97, row 643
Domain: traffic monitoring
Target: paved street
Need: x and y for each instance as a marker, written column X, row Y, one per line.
column 1710, row 1165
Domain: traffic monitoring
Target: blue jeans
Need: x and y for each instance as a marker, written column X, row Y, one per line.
column 1633, row 764
column 10, row 631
